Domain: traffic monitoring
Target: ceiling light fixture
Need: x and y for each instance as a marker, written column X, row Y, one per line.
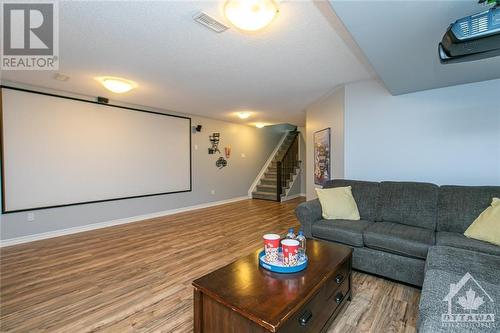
column 116, row 84
column 260, row 125
column 250, row 15
column 243, row 115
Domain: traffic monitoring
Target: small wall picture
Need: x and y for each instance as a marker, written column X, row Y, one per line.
column 322, row 171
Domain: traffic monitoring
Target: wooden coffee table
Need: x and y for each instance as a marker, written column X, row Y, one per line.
column 243, row 297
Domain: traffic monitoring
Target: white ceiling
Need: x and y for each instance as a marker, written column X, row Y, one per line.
column 400, row 40
column 184, row 67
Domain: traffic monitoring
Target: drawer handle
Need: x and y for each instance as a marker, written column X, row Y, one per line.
column 339, row 278
column 338, row 298
column 304, row 319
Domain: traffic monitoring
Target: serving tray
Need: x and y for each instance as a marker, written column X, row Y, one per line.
column 278, row 267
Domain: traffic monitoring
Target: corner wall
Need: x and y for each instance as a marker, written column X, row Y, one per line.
column 447, row 136
column 328, row 112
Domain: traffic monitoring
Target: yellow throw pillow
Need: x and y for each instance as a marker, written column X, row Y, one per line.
column 487, row 226
column 338, row 203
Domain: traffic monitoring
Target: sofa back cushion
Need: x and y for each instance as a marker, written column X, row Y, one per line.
column 365, row 193
column 408, row 203
column 459, row 206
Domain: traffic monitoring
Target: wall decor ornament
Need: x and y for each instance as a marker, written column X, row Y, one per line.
column 322, row 155
column 227, row 151
column 214, row 140
column 221, row 162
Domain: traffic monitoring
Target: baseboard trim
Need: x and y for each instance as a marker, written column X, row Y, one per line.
column 100, row 225
column 293, row 196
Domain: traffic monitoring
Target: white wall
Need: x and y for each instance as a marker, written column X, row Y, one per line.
column 445, row 136
column 328, row 112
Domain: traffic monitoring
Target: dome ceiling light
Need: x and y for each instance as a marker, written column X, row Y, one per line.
column 116, row 84
column 250, row 15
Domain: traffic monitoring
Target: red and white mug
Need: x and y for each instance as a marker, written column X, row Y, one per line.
column 271, row 246
column 290, row 248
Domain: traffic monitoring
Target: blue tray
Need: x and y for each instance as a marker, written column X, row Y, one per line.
column 279, row 268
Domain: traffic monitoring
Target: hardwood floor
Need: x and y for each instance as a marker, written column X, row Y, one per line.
column 137, row 277
column 378, row 305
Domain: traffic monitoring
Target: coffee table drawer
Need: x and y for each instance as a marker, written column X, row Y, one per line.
column 314, row 314
column 339, row 277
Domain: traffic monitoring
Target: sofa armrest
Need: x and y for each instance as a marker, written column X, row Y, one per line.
column 308, row 213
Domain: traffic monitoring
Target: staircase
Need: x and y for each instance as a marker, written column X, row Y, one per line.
column 283, row 170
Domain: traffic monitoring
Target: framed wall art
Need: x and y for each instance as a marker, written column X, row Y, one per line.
column 322, row 155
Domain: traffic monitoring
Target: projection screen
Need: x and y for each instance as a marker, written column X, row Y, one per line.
column 59, row 151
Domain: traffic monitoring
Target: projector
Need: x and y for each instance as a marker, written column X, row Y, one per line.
column 472, row 37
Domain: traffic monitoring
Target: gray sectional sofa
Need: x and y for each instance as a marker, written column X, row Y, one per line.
column 413, row 232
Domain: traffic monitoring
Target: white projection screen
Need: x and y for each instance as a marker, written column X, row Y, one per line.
column 59, row 151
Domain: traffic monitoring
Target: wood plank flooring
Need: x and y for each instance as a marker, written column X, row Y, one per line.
column 137, row 277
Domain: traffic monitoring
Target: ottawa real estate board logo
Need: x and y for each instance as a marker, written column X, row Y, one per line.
column 468, row 306
column 30, row 35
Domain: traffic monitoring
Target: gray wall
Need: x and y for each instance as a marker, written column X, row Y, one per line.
column 328, row 112
column 230, row 182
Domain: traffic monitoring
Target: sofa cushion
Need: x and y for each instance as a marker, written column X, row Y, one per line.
column 337, row 203
column 399, row 238
column 459, row 206
column 454, row 239
column 342, row 231
column 365, row 194
column 482, row 266
column 487, row 226
column 408, row 203
column 393, row 266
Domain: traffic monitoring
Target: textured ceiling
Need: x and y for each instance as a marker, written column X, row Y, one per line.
column 400, row 40
column 184, row 67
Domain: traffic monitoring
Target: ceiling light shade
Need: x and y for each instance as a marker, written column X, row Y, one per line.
column 250, row 15
column 116, row 84
column 243, row 115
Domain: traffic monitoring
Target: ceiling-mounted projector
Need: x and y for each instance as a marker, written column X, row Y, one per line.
column 472, row 37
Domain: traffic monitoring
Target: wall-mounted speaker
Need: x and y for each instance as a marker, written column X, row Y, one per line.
column 102, row 100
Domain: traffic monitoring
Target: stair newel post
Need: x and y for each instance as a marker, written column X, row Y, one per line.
column 278, row 181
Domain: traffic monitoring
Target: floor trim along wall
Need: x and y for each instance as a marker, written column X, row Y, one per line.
column 69, row 231
column 293, row 196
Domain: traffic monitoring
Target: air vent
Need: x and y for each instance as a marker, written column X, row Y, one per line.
column 210, row 22
column 465, row 28
column 479, row 24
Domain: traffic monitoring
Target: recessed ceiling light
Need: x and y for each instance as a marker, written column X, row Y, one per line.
column 243, row 115
column 61, row 77
column 250, row 15
column 116, row 84
column 260, row 125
